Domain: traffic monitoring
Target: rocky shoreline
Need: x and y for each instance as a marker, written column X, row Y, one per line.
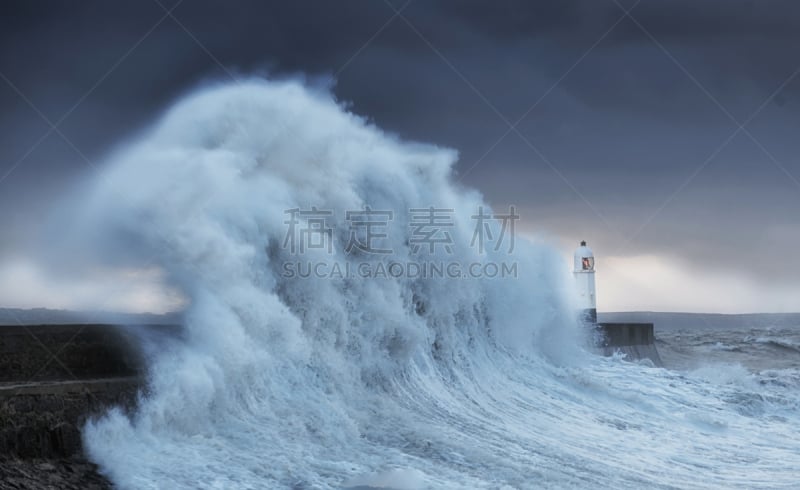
column 73, row 473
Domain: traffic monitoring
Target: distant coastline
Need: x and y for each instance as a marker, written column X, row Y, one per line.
column 44, row 316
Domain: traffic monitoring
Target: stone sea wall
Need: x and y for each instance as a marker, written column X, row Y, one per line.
column 44, row 420
column 53, row 378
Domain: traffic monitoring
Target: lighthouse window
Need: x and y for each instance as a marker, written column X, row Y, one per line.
column 588, row 263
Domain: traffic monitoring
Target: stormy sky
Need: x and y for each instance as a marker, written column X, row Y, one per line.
column 664, row 132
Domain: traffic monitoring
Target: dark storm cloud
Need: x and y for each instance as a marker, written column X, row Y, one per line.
column 625, row 129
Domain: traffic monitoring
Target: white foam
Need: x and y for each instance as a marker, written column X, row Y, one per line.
column 298, row 383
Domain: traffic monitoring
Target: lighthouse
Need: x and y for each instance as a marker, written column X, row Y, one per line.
column 584, row 280
column 634, row 340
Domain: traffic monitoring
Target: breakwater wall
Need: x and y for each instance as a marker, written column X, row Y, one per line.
column 54, row 377
column 635, row 340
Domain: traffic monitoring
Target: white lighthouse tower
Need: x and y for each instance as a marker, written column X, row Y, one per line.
column 584, row 280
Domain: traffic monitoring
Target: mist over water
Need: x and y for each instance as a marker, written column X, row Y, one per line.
column 401, row 382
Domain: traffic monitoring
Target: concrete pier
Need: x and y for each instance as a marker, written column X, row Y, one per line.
column 635, row 340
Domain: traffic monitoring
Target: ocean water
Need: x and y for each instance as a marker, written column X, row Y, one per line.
column 283, row 381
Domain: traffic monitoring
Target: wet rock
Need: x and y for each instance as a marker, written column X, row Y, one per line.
column 65, row 473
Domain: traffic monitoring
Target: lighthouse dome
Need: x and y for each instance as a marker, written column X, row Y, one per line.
column 584, row 259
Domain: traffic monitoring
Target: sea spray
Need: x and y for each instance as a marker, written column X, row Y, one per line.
column 300, row 364
column 284, row 381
